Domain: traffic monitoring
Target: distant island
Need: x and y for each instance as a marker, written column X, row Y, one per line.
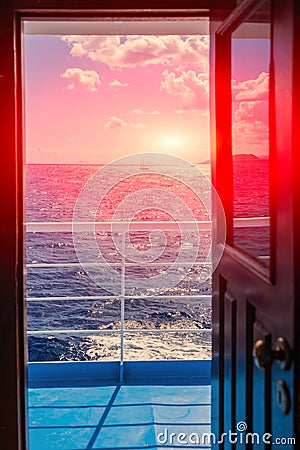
column 244, row 157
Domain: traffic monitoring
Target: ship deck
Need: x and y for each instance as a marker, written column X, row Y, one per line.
column 83, row 405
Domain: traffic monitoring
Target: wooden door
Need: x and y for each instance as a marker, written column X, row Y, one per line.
column 256, row 285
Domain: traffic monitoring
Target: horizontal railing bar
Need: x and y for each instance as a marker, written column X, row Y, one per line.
column 119, row 264
column 55, row 227
column 241, row 222
column 169, row 330
column 108, row 331
column 117, row 226
column 114, row 297
column 73, row 332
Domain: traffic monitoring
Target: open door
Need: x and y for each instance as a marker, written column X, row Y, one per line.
column 255, row 288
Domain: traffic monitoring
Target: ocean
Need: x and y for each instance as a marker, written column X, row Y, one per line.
column 66, row 296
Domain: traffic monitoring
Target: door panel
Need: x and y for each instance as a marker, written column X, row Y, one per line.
column 254, row 302
column 230, row 318
column 261, row 391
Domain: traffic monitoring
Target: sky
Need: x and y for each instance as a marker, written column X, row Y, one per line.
column 93, row 99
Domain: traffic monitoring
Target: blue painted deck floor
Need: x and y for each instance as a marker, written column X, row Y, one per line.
column 118, row 417
column 135, row 415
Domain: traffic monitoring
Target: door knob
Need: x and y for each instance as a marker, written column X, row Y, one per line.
column 264, row 355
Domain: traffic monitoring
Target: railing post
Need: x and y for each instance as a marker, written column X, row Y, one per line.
column 122, row 307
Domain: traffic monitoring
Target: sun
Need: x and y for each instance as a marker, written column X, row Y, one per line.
column 171, row 141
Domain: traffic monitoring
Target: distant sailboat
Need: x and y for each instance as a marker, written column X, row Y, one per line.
column 143, row 166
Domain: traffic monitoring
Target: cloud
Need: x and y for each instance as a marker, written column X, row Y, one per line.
column 250, row 137
column 89, row 79
column 256, row 89
column 250, row 130
column 133, row 51
column 116, row 122
column 193, row 88
column 137, row 111
column 117, row 83
column 252, row 111
column 136, row 125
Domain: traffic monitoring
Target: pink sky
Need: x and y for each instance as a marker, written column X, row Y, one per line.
column 93, row 99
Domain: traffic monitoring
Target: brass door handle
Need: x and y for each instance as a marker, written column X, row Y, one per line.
column 264, row 355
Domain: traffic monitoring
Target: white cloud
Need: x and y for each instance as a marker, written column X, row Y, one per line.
column 133, row 51
column 256, row 89
column 117, row 83
column 193, row 88
column 137, row 111
column 250, row 137
column 136, row 125
column 89, row 79
column 116, row 122
column 250, row 130
column 252, row 111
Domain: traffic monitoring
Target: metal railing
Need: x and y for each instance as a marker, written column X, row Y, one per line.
column 67, row 227
column 203, row 225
